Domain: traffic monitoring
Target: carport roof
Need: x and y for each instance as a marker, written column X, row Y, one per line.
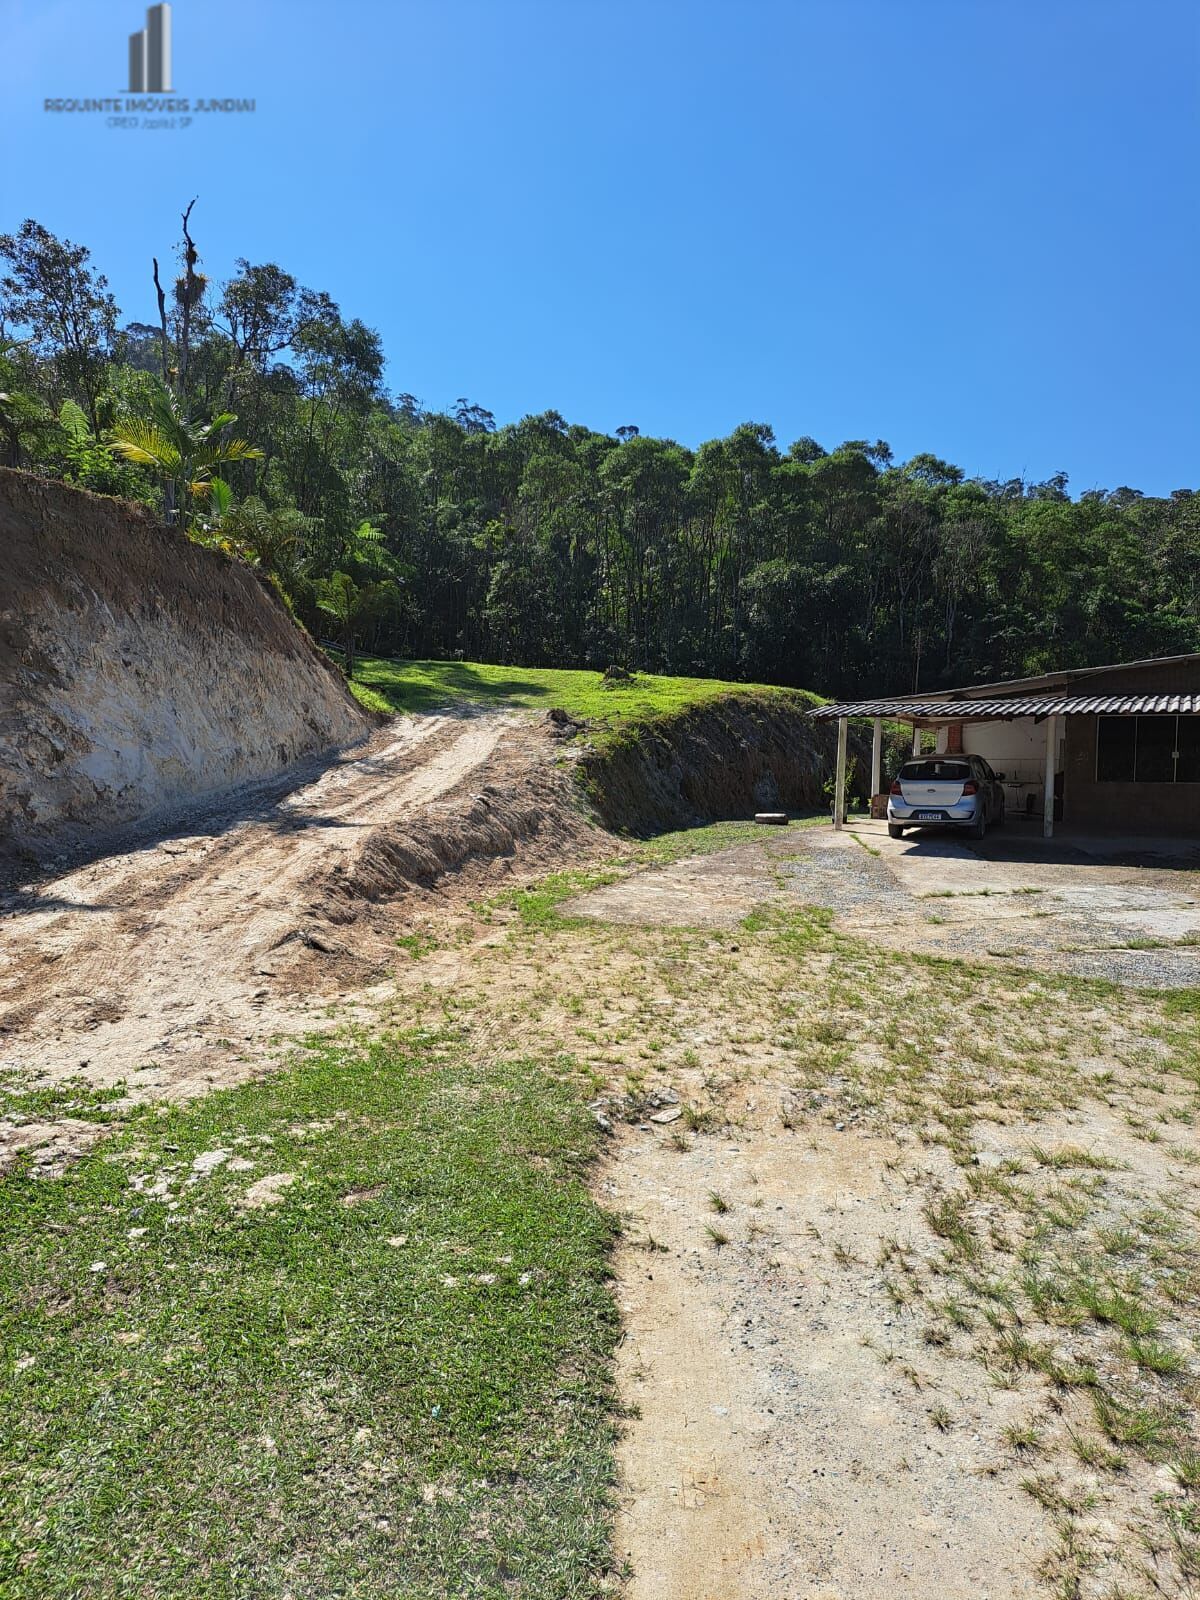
column 1054, row 694
column 991, row 710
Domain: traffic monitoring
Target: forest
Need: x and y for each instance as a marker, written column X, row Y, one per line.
column 252, row 413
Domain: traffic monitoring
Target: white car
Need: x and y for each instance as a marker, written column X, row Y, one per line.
column 946, row 792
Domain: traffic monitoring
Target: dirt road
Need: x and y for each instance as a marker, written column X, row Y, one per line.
column 775, row 1453
column 168, row 964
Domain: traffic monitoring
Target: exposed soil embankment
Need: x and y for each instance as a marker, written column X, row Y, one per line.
column 725, row 758
column 139, row 668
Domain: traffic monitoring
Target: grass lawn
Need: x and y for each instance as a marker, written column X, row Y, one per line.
column 390, row 686
column 387, row 1378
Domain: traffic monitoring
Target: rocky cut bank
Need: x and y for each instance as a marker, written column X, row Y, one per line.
column 745, row 751
column 139, row 670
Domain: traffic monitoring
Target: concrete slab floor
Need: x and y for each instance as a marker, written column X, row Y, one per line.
column 1020, row 840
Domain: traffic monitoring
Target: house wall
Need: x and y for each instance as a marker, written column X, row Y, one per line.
column 1018, row 750
column 1128, row 807
column 1178, row 677
column 1122, row 807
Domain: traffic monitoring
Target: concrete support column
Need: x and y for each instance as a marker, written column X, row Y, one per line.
column 916, row 740
column 877, row 756
column 1048, row 787
column 839, row 782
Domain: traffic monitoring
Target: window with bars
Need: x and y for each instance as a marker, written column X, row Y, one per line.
column 1148, row 749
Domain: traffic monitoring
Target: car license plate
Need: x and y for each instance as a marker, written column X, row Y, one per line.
column 929, row 816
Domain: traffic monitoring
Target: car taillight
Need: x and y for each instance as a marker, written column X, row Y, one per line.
column 970, row 787
column 895, row 789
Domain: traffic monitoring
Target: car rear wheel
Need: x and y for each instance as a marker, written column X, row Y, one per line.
column 978, row 828
column 895, row 831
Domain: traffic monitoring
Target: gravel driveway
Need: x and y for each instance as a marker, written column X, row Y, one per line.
column 1076, row 913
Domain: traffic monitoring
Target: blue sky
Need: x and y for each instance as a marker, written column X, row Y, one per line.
column 965, row 226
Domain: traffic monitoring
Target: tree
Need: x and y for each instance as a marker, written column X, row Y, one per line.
column 352, row 608
column 189, row 292
column 69, row 316
column 22, row 417
column 262, row 310
column 546, row 541
column 182, row 452
column 472, row 418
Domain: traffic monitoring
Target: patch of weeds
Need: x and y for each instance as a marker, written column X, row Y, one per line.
column 1154, row 1355
column 795, row 932
column 666, row 848
column 956, row 1313
column 1183, row 1003
column 1022, row 1437
column 1125, row 1309
column 717, row 1235
column 960, row 894
column 1065, row 1210
column 539, row 904
column 871, row 849
column 947, row 1216
column 829, row 1031
column 417, row 944
column 1019, row 1350
column 1147, row 1428
column 1095, row 1453
column 1052, row 1494
column 1050, row 1297
column 1068, row 1156
column 70, row 1097
column 701, row 1119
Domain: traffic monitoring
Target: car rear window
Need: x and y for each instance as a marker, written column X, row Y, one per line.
column 936, row 771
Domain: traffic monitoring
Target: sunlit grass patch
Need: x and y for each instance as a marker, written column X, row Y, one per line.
column 343, row 1330
column 69, row 1097
column 665, row 848
column 432, row 685
column 539, row 904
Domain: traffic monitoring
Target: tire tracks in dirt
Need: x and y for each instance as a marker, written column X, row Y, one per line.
column 171, row 963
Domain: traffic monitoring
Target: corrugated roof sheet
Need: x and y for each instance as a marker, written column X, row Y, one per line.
column 1061, row 705
column 1051, row 680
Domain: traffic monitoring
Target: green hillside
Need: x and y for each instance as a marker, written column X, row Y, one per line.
column 390, row 686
